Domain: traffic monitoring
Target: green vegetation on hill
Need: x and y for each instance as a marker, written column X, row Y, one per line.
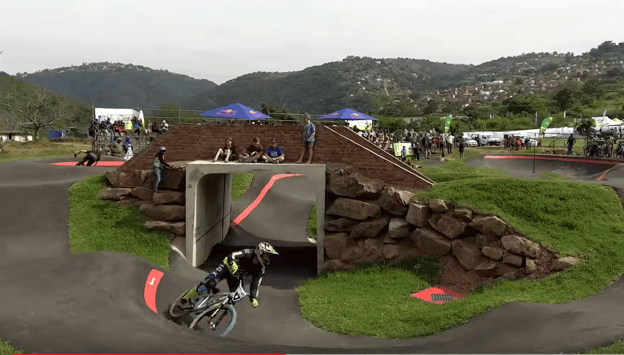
column 7, row 349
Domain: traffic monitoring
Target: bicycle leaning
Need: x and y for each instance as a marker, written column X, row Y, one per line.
column 218, row 309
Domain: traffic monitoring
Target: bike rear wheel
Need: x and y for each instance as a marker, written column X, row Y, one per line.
column 587, row 150
column 222, row 322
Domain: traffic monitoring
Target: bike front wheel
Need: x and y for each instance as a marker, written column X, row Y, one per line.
column 177, row 310
column 221, row 322
column 587, row 151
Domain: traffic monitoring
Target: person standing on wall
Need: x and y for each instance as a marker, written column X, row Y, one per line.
column 159, row 164
column 309, row 131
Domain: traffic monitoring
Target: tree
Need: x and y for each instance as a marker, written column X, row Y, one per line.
column 35, row 108
column 592, row 91
column 565, row 98
column 585, row 127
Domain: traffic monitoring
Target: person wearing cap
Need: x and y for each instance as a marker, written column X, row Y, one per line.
column 159, row 164
column 92, row 156
column 164, row 127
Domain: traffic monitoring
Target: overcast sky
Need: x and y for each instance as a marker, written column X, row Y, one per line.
column 220, row 40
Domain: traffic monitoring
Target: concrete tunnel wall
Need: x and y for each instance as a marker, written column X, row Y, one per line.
column 208, row 202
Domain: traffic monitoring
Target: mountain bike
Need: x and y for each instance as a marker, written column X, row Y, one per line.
column 217, row 308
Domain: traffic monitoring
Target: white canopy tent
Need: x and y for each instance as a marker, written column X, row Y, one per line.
column 116, row 114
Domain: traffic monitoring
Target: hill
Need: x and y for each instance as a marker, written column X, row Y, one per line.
column 118, row 85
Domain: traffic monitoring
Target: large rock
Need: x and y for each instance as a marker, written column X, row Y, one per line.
column 333, row 265
column 447, row 225
column 531, row 267
column 120, row 179
column 115, row 194
column 403, row 196
column 370, row 229
column 373, row 250
column 564, row 263
column 492, row 253
column 467, row 254
column 438, row 205
column 169, row 197
column 483, row 240
column 335, row 244
column 177, row 228
column 487, row 268
column 398, row 228
column 143, row 193
column 520, row 245
column 490, row 225
column 340, row 225
column 173, row 180
column 512, row 259
column 360, row 210
column 354, row 186
column 168, row 213
column 352, row 254
column 431, row 241
column 464, row 214
column 389, row 203
column 417, row 214
column 391, row 251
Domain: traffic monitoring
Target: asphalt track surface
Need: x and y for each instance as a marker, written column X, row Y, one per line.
column 56, row 302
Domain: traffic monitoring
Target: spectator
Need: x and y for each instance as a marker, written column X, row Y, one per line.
column 449, row 144
column 159, row 164
column 136, row 126
column 129, row 151
column 164, row 127
column 461, row 148
column 243, row 157
column 403, row 154
column 309, row 131
column 256, row 151
column 226, row 152
column 273, row 153
column 92, row 156
column 127, row 143
column 148, row 129
column 571, row 142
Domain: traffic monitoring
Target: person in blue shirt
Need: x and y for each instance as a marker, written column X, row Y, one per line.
column 273, row 153
column 309, row 131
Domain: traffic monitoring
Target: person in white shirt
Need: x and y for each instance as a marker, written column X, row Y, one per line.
column 449, row 143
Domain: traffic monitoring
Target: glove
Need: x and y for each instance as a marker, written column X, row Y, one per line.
column 232, row 266
column 254, row 302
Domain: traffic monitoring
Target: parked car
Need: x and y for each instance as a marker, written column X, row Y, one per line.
column 491, row 140
column 470, row 142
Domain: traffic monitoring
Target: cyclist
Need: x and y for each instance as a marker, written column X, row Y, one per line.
column 240, row 263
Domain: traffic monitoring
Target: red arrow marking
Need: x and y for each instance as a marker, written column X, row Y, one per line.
column 151, row 285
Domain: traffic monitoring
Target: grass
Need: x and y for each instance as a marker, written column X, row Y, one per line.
column 553, row 176
column 240, row 184
column 312, row 223
column 458, row 170
column 41, row 149
column 7, row 349
column 615, row 348
column 579, row 219
column 96, row 225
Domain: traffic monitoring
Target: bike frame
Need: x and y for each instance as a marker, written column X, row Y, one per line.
column 232, row 298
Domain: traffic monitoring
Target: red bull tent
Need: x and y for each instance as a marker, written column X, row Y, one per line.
column 235, row 111
column 347, row 114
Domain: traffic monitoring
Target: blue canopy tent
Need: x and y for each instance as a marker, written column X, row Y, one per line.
column 347, row 114
column 235, row 111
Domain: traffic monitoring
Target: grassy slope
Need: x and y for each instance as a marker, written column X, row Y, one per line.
column 7, row 349
column 42, row 149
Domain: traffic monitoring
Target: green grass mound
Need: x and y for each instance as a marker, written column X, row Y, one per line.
column 458, row 170
column 7, row 349
column 96, row 225
column 569, row 218
column 41, row 149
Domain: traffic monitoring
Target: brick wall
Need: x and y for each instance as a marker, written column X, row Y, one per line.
column 201, row 142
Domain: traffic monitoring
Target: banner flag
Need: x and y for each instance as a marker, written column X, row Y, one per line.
column 545, row 124
column 604, row 113
column 447, row 123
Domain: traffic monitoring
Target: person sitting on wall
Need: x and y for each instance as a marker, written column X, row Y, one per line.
column 92, row 156
column 256, row 151
column 243, row 157
column 226, row 152
column 273, row 153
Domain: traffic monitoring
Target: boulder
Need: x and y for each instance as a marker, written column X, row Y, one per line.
column 173, row 180
column 370, row 229
column 335, row 244
column 531, row 267
column 333, row 265
column 340, row 225
column 143, row 193
column 492, row 253
column 431, row 241
column 360, row 210
column 490, row 225
column 354, row 186
column 447, row 225
column 368, row 188
column 167, row 213
column 487, row 268
column 483, row 240
column 564, row 263
column 438, row 205
column 398, row 228
column 388, row 240
column 391, row 251
column 510, row 272
column 147, row 179
column 512, row 259
column 120, row 179
column 373, row 250
column 389, row 203
column 467, row 254
column 177, row 228
column 417, row 214
column 520, row 245
column 403, row 196
column 352, row 254
column 115, row 194
column 464, row 214
column 169, row 197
